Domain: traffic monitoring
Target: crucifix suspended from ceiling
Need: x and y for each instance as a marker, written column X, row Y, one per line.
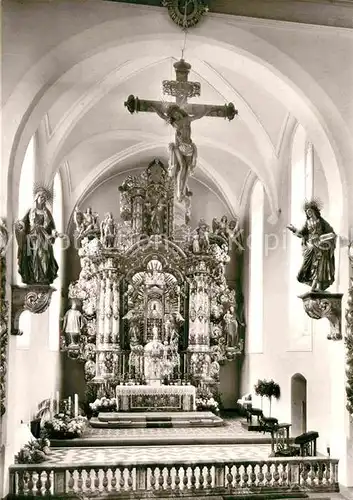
column 180, row 114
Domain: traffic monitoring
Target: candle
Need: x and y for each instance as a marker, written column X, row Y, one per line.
column 51, row 408
column 76, row 405
column 69, row 405
column 57, row 402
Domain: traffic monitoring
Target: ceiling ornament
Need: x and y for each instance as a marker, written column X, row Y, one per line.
column 185, row 13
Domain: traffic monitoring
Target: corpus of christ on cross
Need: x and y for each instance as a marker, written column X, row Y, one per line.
column 183, row 152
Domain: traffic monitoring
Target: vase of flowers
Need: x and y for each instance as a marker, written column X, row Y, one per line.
column 63, row 426
column 103, row 405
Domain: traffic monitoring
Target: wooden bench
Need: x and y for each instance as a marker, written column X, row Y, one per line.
column 253, row 412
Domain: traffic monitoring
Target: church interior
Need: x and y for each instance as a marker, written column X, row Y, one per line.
column 176, row 256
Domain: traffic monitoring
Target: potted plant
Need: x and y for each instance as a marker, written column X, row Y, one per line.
column 260, row 388
column 272, row 390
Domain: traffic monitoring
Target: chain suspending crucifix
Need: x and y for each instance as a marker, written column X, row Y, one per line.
column 180, row 114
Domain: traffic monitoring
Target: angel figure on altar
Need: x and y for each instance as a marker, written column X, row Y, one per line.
column 318, row 246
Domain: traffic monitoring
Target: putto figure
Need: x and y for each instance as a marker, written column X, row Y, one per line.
column 35, row 235
column 318, row 243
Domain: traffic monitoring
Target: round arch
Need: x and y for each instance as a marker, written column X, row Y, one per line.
column 278, row 74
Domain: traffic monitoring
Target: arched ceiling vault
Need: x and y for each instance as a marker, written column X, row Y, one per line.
column 108, row 59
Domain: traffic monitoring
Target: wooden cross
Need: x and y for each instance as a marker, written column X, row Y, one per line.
column 180, row 114
column 181, row 89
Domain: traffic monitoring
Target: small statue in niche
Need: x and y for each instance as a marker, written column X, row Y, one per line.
column 222, row 229
column 72, row 325
column 231, row 327
column 196, row 243
column 203, row 232
column 35, row 235
column 157, row 217
column 108, row 231
column 318, row 247
column 134, row 333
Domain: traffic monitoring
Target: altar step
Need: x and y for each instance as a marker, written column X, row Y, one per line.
column 161, row 420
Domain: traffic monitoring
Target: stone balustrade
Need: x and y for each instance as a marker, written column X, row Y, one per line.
column 168, row 479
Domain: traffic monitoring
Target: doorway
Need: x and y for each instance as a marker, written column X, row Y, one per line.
column 298, row 404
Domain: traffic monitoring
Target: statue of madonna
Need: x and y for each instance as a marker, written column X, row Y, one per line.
column 318, row 244
column 35, row 235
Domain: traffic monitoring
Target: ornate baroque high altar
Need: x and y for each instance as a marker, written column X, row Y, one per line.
column 156, row 307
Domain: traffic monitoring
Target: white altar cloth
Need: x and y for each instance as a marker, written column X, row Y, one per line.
column 149, row 397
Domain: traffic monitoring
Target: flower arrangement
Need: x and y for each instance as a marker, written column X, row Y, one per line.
column 206, row 400
column 103, row 404
column 33, row 452
column 203, row 404
column 63, row 426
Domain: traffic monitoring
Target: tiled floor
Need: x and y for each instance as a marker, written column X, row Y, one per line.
column 153, row 454
column 232, row 428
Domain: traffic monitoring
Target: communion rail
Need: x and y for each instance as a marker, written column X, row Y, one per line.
column 181, row 479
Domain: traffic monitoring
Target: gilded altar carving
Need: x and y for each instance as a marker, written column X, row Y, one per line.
column 156, row 305
column 3, row 317
column 349, row 336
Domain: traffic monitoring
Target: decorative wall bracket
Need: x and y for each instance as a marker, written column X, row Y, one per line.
column 319, row 305
column 33, row 298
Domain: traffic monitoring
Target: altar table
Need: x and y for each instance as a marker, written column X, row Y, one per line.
column 162, row 397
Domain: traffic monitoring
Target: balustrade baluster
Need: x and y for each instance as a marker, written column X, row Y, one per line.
column 275, row 475
column 193, row 477
column 186, row 478
column 96, row 479
column 237, row 476
column 39, row 484
column 130, row 478
column 169, row 479
column 79, row 480
column 229, row 475
column 105, row 481
column 161, row 478
column 202, row 477
column 88, row 482
column 260, row 475
column 121, row 478
column 71, row 480
column 177, row 478
column 268, row 474
column 252, row 475
column 320, row 473
column 153, row 481
column 30, row 484
column 245, row 476
column 47, row 484
column 284, row 474
column 209, row 476
column 304, row 467
column 313, row 473
column 113, row 481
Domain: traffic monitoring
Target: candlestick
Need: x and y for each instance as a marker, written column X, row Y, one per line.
column 76, row 405
column 57, row 402
column 51, row 407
